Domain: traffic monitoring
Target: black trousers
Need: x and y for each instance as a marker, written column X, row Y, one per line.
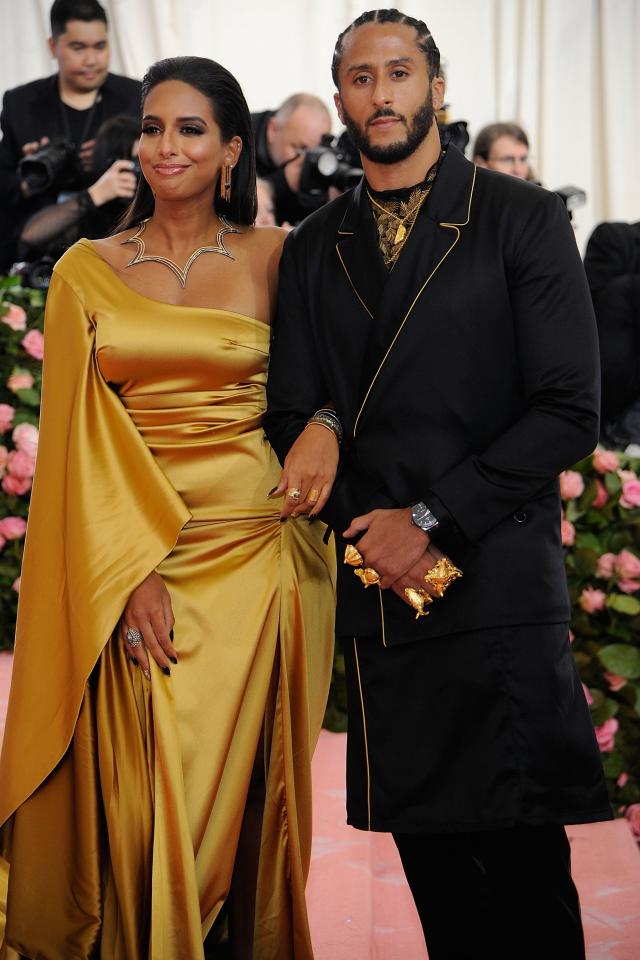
column 495, row 894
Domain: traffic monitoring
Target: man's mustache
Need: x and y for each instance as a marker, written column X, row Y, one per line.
column 388, row 112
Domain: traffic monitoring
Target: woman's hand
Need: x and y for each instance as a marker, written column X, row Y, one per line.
column 118, row 181
column 148, row 612
column 310, row 468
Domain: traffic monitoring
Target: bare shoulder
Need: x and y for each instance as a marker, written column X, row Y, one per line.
column 112, row 250
column 267, row 241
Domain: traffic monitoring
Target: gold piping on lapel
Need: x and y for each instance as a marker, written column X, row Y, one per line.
column 364, row 729
column 448, row 226
column 351, row 281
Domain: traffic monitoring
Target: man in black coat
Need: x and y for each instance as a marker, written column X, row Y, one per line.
column 443, row 312
column 71, row 105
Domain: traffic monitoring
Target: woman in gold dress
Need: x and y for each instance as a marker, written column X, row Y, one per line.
column 174, row 639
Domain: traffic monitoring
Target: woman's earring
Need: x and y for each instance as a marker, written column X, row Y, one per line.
column 225, row 183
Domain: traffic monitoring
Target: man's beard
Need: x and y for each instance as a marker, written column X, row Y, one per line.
column 393, row 152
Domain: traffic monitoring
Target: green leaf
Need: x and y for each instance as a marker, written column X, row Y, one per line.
column 585, row 561
column 589, row 541
column 623, row 603
column 607, row 709
column 29, row 396
column 621, row 658
column 613, row 765
column 613, row 484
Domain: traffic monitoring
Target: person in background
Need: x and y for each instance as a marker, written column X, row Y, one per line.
column 63, row 112
column 503, row 147
column 266, row 211
column 93, row 212
column 282, row 137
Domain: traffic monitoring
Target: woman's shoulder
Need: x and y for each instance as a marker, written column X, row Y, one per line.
column 266, row 239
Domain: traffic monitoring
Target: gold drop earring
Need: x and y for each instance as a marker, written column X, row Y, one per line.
column 225, row 182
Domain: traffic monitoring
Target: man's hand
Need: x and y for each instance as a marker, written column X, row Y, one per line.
column 33, row 145
column 118, row 181
column 392, row 544
column 85, row 154
column 415, row 576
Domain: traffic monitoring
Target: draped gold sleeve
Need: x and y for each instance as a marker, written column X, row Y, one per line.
column 102, row 516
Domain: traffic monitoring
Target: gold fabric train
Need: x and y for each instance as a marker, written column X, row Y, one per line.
column 122, row 800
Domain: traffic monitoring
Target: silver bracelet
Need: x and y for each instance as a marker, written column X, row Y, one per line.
column 325, row 417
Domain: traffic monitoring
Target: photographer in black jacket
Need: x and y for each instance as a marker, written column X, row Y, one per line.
column 282, row 138
column 54, row 120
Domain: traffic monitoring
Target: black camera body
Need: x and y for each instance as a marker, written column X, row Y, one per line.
column 335, row 163
column 55, row 164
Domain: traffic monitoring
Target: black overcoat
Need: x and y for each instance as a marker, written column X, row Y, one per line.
column 467, row 378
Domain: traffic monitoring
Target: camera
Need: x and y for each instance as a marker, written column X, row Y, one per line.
column 334, row 163
column 54, row 164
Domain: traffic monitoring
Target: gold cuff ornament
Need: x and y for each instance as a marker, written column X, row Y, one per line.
column 419, row 599
column 368, row 576
column 352, row 556
column 441, row 575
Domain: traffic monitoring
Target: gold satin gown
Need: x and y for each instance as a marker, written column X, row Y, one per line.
column 122, row 800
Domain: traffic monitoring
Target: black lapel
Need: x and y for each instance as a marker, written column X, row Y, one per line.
column 359, row 253
column 46, row 109
column 432, row 239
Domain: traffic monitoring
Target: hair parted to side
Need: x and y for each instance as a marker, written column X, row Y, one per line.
column 424, row 38
column 489, row 134
column 231, row 113
column 64, row 10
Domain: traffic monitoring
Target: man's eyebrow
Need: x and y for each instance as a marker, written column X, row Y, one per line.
column 389, row 63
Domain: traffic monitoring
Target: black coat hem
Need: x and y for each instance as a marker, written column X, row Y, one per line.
column 585, row 816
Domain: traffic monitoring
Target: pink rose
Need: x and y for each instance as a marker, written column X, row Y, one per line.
column 615, row 682
column 7, row 414
column 606, row 735
column 15, row 317
column 627, row 475
column 567, row 533
column 587, row 694
column 605, row 461
column 592, row 600
column 16, row 585
column 601, row 496
column 25, row 438
column 629, row 586
column 630, row 494
column 20, row 381
column 572, row 636
column 571, row 485
column 33, row 343
column 12, row 528
column 20, row 464
column 16, row 485
column 632, row 813
column 606, row 565
column 622, row 780
column 627, row 564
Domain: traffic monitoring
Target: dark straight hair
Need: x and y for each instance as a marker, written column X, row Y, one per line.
column 231, row 113
column 63, row 11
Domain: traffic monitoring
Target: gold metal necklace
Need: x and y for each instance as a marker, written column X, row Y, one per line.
column 401, row 231
column 181, row 274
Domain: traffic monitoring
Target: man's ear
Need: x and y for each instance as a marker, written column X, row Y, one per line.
column 272, row 123
column 51, row 43
column 437, row 92
column 338, row 103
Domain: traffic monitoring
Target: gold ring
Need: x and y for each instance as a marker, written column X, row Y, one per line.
column 294, row 493
column 313, row 496
column 441, row 575
column 352, row 556
column 368, row 576
column 419, row 599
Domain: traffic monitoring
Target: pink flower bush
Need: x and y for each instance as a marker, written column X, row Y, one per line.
column 632, row 814
column 13, row 528
column 4, row 455
column 601, row 496
column 628, row 586
column 15, row 317
column 20, row 464
column 567, row 532
column 606, row 735
column 615, row 682
column 33, row 343
column 627, row 564
column 20, row 381
column 606, row 565
column 7, row 413
column 571, row 485
column 16, row 485
column 592, row 601
column 630, row 496
column 622, row 780
column 25, row 439
column 605, row 461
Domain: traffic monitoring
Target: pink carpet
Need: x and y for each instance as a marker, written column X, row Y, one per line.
column 360, row 907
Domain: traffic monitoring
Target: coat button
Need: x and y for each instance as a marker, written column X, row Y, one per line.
column 520, row 516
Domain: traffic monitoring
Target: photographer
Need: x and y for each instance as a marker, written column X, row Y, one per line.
column 93, row 212
column 58, row 117
column 282, row 138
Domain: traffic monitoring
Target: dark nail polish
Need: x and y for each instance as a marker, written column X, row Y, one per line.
column 171, row 635
column 273, row 490
column 312, row 519
column 166, row 671
column 173, row 659
column 134, row 661
column 283, row 519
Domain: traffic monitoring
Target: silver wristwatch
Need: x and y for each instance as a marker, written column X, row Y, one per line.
column 422, row 517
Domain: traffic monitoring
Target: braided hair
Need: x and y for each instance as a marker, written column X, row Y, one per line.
column 424, row 38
